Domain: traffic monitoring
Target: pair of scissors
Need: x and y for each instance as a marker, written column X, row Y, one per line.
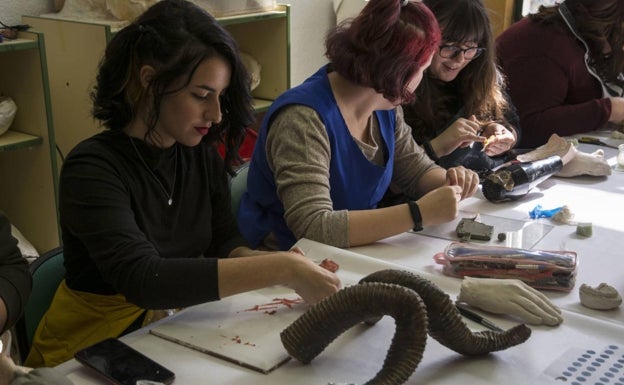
column 596, row 141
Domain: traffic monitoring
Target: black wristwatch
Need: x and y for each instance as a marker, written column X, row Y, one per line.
column 416, row 217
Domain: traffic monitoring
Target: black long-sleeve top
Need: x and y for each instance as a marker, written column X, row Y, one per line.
column 15, row 278
column 121, row 236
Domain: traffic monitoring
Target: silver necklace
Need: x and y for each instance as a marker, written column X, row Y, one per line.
column 175, row 172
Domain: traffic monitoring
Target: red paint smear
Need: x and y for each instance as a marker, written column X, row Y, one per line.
column 271, row 307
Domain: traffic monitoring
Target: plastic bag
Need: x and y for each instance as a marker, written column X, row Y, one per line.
column 553, row 270
column 539, row 212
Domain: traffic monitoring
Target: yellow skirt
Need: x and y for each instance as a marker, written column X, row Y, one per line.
column 76, row 320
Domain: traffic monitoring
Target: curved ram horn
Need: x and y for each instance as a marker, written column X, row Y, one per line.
column 445, row 323
column 311, row 333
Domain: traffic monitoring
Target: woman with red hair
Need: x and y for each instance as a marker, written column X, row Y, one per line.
column 329, row 148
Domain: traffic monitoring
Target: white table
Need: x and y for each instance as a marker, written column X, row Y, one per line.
column 599, row 200
column 357, row 355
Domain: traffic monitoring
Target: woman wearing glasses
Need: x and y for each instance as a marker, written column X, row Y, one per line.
column 329, row 148
column 461, row 115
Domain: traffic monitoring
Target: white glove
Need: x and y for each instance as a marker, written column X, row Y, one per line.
column 583, row 163
column 509, row 296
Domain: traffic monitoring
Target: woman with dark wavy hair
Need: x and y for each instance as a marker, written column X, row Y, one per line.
column 565, row 68
column 145, row 206
column 461, row 101
column 329, row 148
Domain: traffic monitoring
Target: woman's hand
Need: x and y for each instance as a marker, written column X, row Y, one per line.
column 312, row 282
column 462, row 133
column 499, row 139
column 617, row 110
column 465, row 178
column 7, row 369
column 264, row 269
column 441, row 204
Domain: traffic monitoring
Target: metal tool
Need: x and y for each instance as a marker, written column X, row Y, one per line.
column 478, row 319
column 596, row 141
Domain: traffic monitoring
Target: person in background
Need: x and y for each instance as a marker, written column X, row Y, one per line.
column 461, row 101
column 144, row 205
column 328, row 149
column 15, row 288
column 565, row 66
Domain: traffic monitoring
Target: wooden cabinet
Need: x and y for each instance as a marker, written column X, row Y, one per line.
column 74, row 49
column 28, row 171
column 266, row 37
column 501, row 14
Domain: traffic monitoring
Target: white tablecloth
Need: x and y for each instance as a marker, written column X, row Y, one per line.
column 357, row 355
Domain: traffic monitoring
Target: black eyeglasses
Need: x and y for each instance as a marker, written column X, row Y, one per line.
column 451, row 52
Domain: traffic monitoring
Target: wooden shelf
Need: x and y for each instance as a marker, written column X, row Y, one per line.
column 27, row 151
column 279, row 12
column 266, row 37
column 501, row 14
column 74, row 48
column 113, row 26
column 17, row 45
column 13, row 140
column 262, row 105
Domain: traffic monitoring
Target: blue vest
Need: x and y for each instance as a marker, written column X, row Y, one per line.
column 355, row 182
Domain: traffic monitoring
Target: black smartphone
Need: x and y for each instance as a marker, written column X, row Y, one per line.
column 121, row 364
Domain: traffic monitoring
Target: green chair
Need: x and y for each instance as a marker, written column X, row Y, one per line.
column 47, row 271
column 238, row 186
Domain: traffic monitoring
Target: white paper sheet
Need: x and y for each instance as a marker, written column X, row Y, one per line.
column 245, row 328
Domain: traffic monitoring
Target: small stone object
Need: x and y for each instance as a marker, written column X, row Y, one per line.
column 603, row 297
column 502, row 237
column 584, row 229
column 471, row 229
column 565, row 215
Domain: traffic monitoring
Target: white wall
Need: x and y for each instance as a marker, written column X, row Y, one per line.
column 310, row 19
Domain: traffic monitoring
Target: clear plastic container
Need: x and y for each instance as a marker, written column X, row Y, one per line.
column 221, row 8
column 541, row 269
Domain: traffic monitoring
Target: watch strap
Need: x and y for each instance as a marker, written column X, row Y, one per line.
column 416, row 217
